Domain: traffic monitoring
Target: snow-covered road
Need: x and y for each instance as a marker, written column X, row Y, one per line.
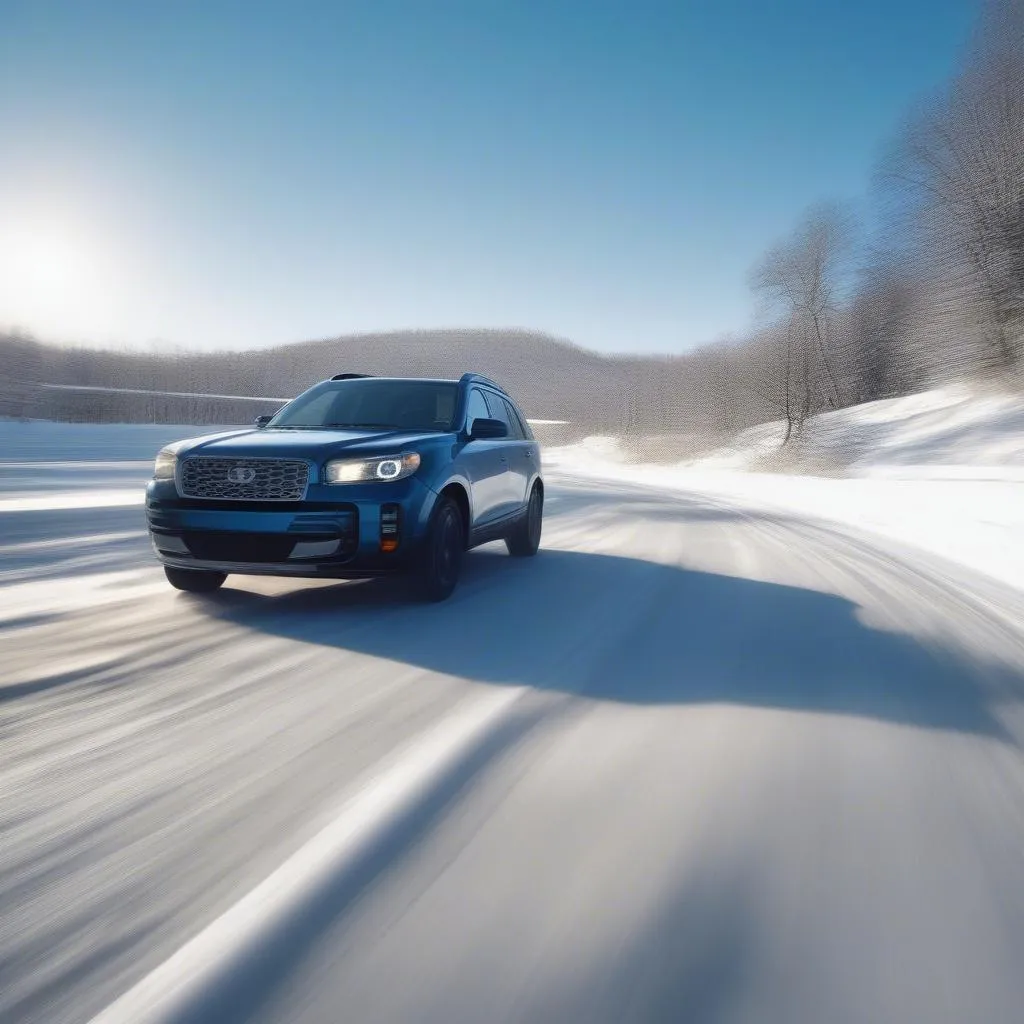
column 698, row 761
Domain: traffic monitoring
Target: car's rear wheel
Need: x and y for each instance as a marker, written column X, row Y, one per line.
column 445, row 545
column 196, row 581
column 524, row 540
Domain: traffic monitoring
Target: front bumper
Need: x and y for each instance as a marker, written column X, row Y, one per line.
column 334, row 533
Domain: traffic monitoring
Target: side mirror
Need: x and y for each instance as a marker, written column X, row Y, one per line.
column 488, row 430
column 262, row 421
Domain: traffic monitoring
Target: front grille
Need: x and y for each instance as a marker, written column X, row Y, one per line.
column 204, row 476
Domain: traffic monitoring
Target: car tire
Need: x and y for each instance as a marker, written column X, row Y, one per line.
column 441, row 560
column 524, row 540
column 195, row 581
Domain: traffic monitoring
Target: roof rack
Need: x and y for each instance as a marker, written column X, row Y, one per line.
column 479, row 378
column 350, row 376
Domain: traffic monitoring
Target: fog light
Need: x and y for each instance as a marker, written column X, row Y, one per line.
column 315, row 548
column 389, row 528
column 169, row 544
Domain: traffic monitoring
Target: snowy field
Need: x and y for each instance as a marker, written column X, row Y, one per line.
column 942, row 471
column 736, row 747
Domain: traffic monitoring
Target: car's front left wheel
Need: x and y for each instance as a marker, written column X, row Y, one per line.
column 196, row 581
column 441, row 559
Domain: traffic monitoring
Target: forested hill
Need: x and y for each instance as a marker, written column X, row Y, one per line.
column 551, row 378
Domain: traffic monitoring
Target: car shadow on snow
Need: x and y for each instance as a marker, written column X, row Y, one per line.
column 627, row 630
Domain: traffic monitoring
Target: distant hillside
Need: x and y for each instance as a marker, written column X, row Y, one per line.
column 551, row 378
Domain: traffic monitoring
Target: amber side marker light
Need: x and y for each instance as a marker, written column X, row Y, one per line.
column 389, row 528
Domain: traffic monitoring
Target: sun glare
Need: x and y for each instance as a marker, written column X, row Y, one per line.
column 51, row 270
column 50, row 259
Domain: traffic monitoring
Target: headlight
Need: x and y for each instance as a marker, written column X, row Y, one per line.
column 353, row 471
column 165, row 462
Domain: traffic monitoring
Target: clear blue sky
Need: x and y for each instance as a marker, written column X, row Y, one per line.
column 228, row 174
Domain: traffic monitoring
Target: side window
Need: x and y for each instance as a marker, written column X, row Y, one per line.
column 476, row 409
column 518, row 422
column 499, row 411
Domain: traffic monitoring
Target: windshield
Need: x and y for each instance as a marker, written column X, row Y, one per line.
column 372, row 404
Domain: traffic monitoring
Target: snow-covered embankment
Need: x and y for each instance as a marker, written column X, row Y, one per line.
column 942, row 470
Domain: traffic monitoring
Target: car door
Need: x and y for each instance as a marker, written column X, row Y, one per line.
column 486, row 466
column 514, row 486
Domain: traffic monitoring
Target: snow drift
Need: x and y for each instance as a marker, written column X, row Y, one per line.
column 942, row 470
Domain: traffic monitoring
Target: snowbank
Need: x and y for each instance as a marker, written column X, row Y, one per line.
column 942, row 471
column 951, row 427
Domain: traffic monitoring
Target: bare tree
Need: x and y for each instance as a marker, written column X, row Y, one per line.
column 962, row 162
column 764, row 372
column 881, row 317
column 802, row 279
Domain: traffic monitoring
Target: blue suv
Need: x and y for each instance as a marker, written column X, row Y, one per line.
column 359, row 476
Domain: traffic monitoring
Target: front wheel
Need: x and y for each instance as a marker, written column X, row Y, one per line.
column 524, row 540
column 195, row 581
column 442, row 553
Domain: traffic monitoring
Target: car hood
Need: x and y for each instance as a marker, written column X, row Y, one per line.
column 309, row 444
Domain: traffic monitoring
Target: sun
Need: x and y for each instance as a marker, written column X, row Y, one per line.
column 51, row 270
column 49, row 258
